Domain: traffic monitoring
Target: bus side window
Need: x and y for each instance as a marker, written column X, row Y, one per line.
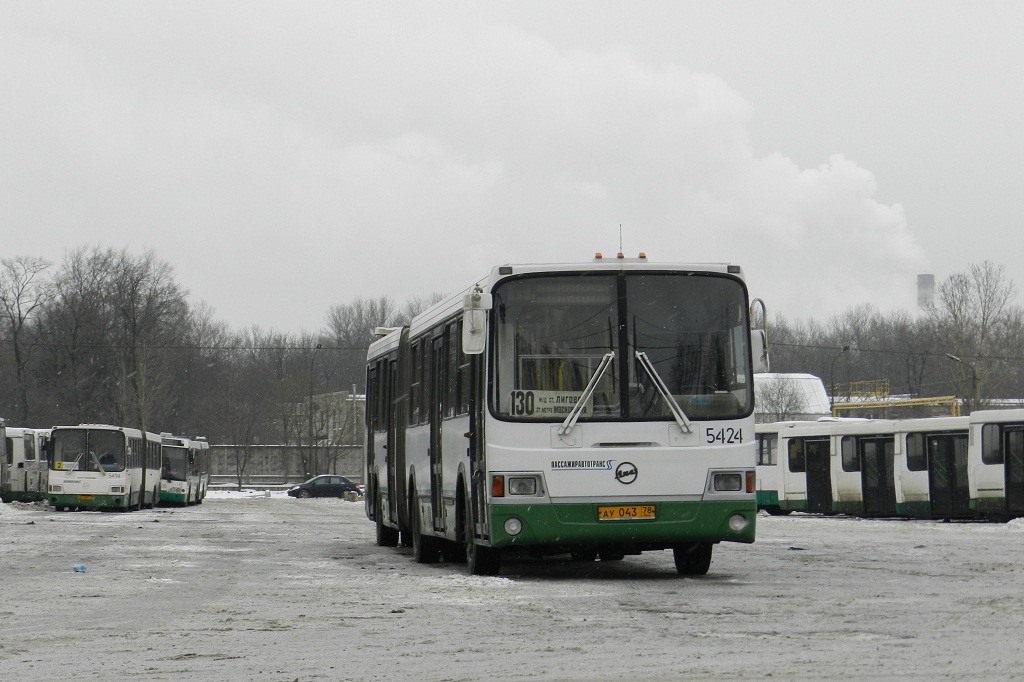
column 796, row 456
column 991, row 444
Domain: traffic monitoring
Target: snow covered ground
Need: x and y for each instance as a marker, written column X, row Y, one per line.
column 249, row 587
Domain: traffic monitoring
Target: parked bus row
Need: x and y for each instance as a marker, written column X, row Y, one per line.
column 596, row 410
column 99, row 466
column 968, row 467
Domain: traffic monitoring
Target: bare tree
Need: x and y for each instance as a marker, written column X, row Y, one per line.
column 75, row 328
column 349, row 333
column 972, row 316
column 778, row 399
column 150, row 317
column 23, row 290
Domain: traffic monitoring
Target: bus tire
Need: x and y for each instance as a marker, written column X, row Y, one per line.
column 778, row 511
column 386, row 536
column 693, row 558
column 424, row 548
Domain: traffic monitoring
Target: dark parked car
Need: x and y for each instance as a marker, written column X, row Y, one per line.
column 325, row 486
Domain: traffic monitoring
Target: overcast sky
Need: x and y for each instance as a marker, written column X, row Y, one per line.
column 284, row 157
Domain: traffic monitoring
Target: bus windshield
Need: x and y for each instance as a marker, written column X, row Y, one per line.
column 87, row 450
column 551, row 333
column 175, row 463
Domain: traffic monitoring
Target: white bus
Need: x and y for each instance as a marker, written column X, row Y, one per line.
column 863, row 467
column 96, row 466
column 185, row 474
column 995, row 458
column 768, row 476
column 931, row 468
column 23, row 469
column 804, row 477
column 597, row 409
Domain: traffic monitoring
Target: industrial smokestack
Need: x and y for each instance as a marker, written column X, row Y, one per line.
column 925, row 291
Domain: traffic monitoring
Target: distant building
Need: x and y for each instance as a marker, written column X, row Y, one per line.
column 925, row 291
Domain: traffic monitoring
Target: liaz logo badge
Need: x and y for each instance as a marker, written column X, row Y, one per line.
column 625, row 473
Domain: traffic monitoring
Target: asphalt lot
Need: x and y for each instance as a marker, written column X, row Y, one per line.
column 276, row 588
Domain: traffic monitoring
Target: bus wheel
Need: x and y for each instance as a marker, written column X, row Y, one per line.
column 386, row 536
column 693, row 558
column 424, row 548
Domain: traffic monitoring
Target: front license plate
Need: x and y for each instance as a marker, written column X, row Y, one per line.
column 631, row 511
column 85, row 498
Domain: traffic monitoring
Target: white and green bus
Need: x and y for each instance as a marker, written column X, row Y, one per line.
column 597, row 409
column 995, row 461
column 98, row 466
column 23, row 470
column 185, row 475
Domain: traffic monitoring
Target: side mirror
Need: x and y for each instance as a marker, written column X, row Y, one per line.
column 474, row 321
column 759, row 351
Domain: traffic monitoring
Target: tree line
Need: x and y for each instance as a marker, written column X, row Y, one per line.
column 967, row 343
column 108, row 336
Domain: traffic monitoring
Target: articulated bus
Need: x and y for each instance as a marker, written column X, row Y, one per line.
column 23, row 469
column 185, row 475
column 597, row 409
column 96, row 466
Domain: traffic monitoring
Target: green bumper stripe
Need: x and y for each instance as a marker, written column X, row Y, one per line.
column 181, row 498
column 105, row 501
column 560, row 524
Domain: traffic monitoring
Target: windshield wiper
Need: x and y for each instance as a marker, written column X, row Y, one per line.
column 570, row 421
column 661, row 388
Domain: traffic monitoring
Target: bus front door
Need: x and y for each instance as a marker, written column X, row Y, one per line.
column 877, row 476
column 819, row 479
column 948, row 491
column 1013, row 445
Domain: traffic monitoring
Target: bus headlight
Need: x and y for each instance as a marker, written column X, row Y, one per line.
column 55, row 488
column 513, row 526
column 737, row 522
column 728, row 482
column 117, row 489
column 522, row 485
